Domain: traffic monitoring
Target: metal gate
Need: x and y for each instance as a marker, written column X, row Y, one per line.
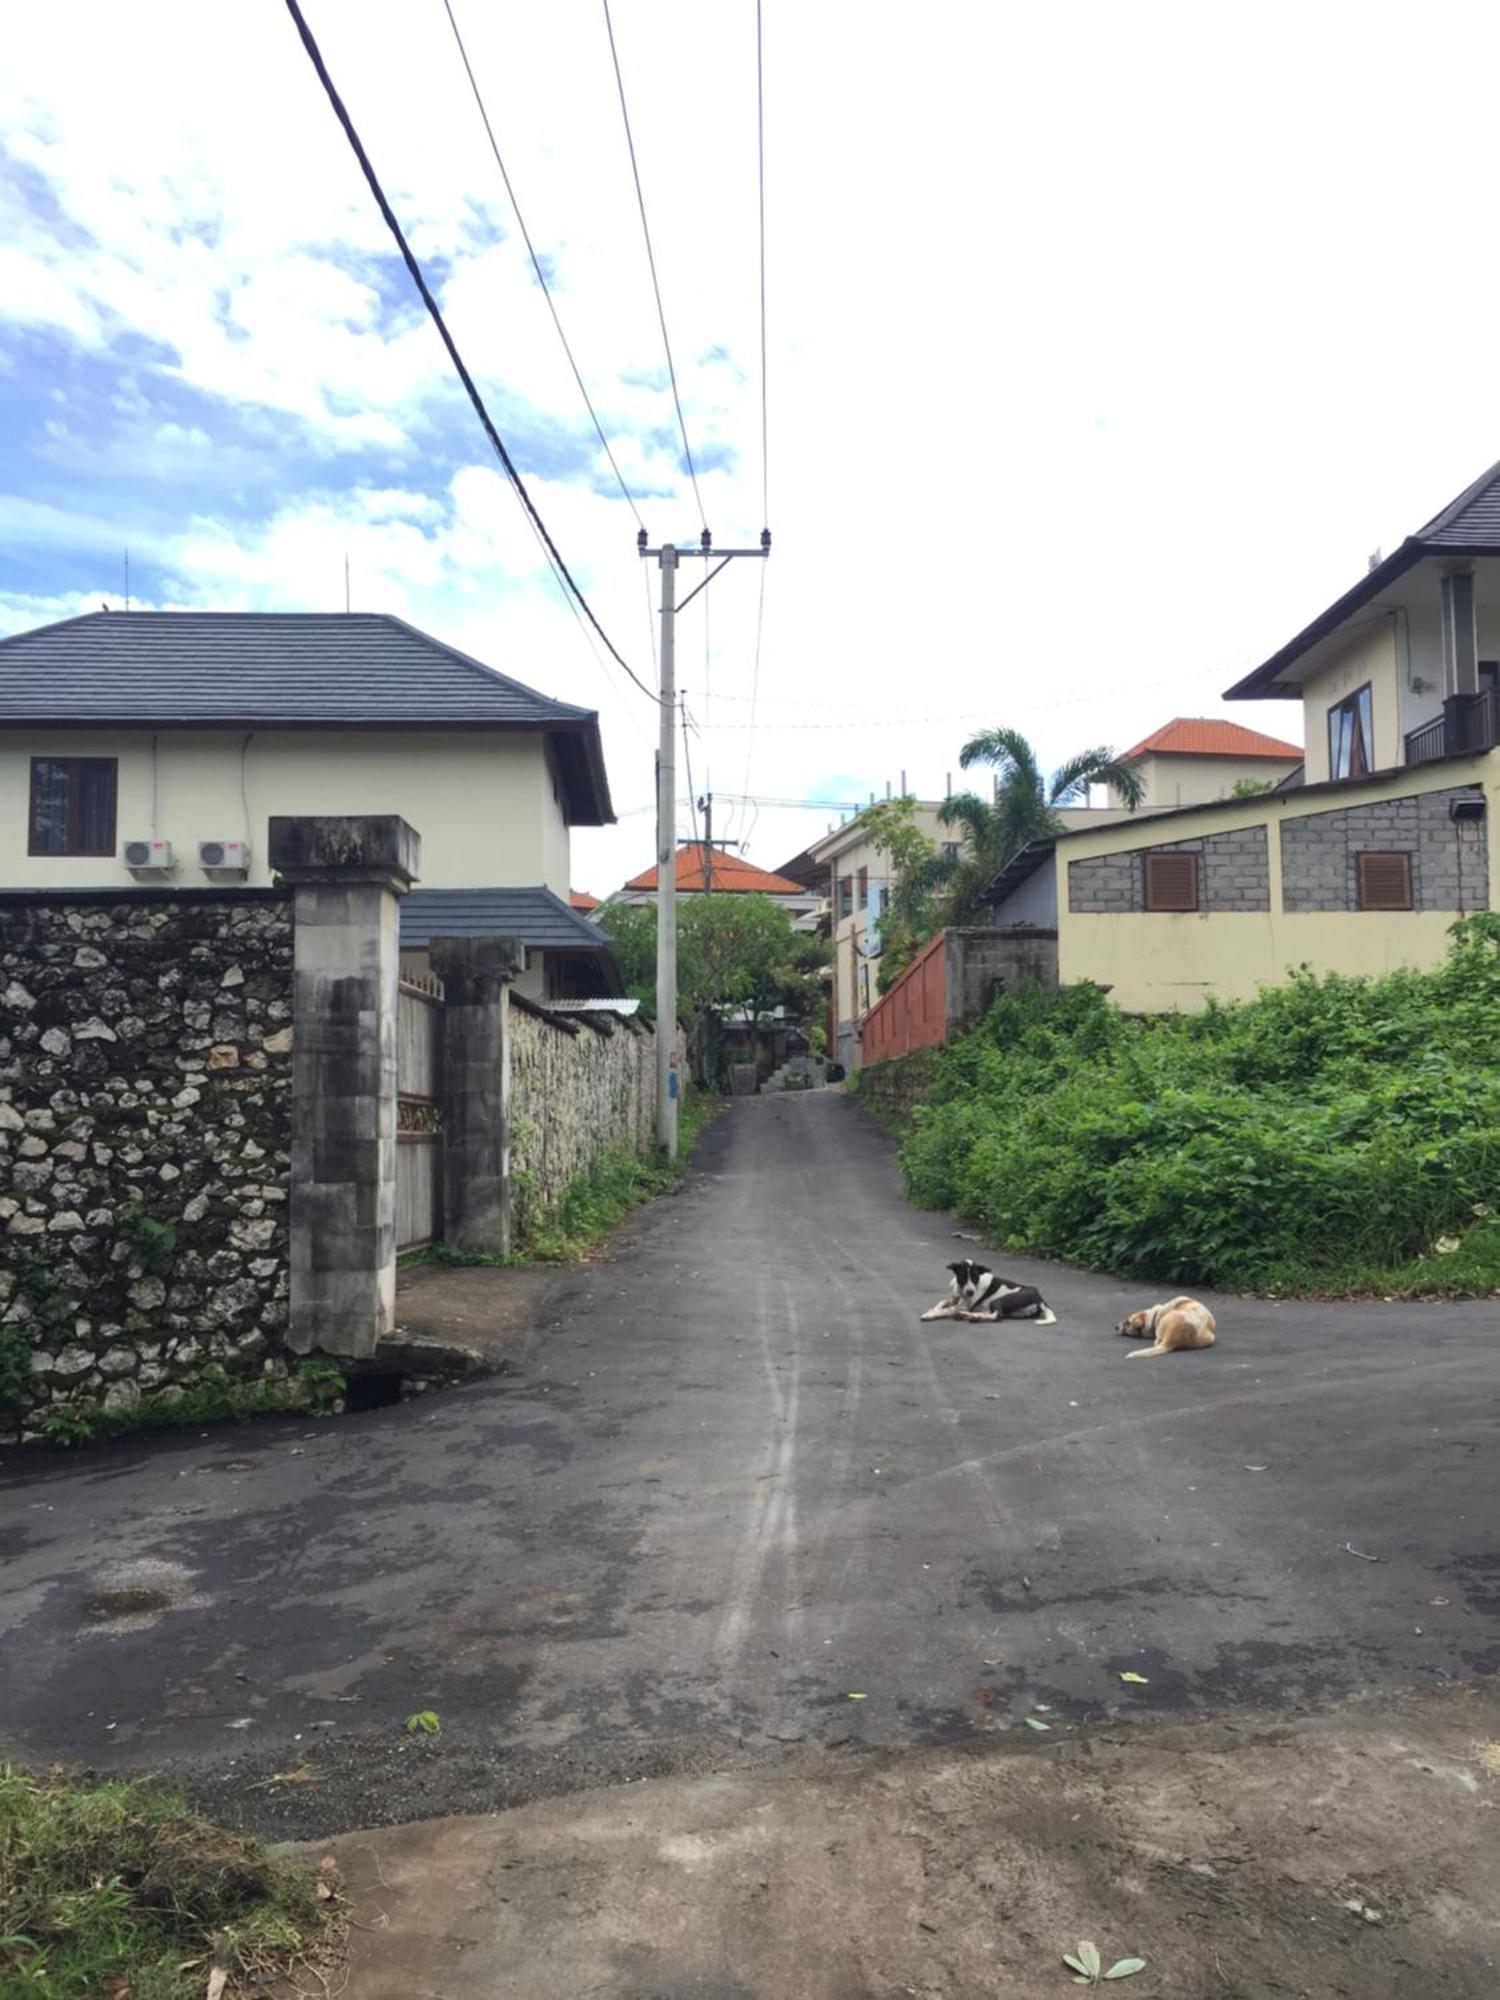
column 419, row 1147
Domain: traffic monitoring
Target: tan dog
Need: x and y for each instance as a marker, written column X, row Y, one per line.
column 1178, row 1325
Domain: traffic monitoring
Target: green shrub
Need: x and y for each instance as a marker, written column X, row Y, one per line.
column 1325, row 1134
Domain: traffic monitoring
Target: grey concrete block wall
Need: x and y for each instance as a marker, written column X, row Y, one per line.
column 1450, row 859
column 1234, row 874
column 978, row 963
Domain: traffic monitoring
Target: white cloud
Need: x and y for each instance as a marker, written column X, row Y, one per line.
column 1105, row 343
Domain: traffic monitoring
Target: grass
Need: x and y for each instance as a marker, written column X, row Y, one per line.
column 593, row 1202
column 113, row 1890
column 217, row 1397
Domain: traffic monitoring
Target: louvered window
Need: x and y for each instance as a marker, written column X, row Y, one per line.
column 1171, row 881
column 1384, row 881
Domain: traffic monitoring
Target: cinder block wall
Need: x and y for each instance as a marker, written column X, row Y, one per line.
column 145, row 1126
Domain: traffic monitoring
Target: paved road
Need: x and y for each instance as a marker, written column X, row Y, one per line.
column 733, row 1481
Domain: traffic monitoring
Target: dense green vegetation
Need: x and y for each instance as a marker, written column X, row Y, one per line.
column 1327, row 1136
column 117, row 1889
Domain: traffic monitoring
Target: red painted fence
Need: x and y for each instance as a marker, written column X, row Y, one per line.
column 913, row 1014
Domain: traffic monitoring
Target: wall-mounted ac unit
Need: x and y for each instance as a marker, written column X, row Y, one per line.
column 148, row 857
column 224, row 857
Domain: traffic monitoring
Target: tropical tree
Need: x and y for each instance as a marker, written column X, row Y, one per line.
column 1026, row 806
column 911, row 912
column 734, row 953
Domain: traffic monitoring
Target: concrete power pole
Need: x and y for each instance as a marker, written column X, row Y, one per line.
column 668, row 557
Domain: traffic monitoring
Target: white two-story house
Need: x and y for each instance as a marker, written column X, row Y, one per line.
column 151, row 748
column 1365, row 864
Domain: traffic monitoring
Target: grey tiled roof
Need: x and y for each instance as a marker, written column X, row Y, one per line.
column 537, row 917
column 266, row 667
column 1471, row 521
column 282, row 670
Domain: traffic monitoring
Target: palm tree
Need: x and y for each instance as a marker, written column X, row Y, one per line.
column 1026, row 807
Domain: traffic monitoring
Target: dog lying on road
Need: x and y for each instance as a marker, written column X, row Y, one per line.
column 977, row 1293
column 1176, row 1327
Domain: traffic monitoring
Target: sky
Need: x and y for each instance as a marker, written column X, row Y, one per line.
column 1105, row 345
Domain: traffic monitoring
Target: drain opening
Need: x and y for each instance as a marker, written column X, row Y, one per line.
column 373, row 1391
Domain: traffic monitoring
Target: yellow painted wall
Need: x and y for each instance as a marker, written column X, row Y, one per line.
column 1196, row 781
column 484, row 804
column 1158, row 963
column 1372, row 656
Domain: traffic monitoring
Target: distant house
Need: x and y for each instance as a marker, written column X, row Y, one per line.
column 1194, row 759
column 704, row 870
column 582, row 901
column 154, row 746
column 1363, row 867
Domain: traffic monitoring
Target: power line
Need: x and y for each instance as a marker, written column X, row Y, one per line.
column 435, row 311
column 760, row 171
column 687, row 754
column 760, row 626
column 536, row 264
column 651, row 260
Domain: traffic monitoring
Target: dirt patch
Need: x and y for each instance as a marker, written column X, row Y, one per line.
column 1354, row 1853
column 470, row 1306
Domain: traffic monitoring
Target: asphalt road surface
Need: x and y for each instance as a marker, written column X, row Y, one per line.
column 734, row 1497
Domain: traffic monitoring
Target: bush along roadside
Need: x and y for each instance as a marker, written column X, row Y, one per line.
column 1333, row 1136
column 117, row 1888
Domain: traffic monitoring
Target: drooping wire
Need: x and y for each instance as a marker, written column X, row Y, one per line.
column 536, row 264
column 760, row 168
column 687, row 450
column 760, row 626
column 539, row 526
column 687, row 758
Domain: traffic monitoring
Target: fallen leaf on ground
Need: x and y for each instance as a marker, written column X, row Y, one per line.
column 1136, row 1680
column 858, row 1697
column 1032, row 1723
column 218, row 1979
column 1489, row 1756
column 1351, row 1550
column 1438, row 1600
column 1257, row 1468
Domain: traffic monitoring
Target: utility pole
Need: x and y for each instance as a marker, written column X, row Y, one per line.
column 668, row 556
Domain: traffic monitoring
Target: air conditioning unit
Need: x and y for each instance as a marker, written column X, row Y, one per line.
column 226, row 857
column 148, row 857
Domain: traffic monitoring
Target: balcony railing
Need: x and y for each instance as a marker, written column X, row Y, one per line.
column 1459, row 731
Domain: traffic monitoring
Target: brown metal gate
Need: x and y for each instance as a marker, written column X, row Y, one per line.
column 419, row 1148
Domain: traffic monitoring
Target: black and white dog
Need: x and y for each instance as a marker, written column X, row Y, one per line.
column 978, row 1293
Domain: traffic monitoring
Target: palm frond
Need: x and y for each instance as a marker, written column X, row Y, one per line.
column 1071, row 781
column 1007, row 750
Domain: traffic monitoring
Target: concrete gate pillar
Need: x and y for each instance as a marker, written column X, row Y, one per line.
column 476, row 973
column 346, row 876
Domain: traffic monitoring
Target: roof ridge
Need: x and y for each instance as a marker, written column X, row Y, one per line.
column 479, row 666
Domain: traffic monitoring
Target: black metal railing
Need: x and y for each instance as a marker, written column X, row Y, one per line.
column 1466, row 726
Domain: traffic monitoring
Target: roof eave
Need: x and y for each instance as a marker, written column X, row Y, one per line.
column 1265, row 684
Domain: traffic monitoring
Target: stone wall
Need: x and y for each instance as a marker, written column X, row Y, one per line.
column 1449, row 859
column 1233, row 874
column 581, row 1085
column 145, row 1126
column 891, row 1089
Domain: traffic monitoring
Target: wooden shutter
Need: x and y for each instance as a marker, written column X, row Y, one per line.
column 1384, row 881
column 1171, row 881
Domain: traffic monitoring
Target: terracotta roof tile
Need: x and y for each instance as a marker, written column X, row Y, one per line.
column 580, row 899
column 730, row 875
column 1204, row 736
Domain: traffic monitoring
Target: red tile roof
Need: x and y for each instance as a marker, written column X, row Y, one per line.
column 1202, row 736
column 730, row 875
column 580, row 899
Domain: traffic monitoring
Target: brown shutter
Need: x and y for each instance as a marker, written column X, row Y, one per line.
column 1171, row 881
column 1384, row 881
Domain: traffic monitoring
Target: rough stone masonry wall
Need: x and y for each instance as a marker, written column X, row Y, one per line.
column 1233, row 874
column 1449, row 859
column 579, row 1087
column 145, row 1109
